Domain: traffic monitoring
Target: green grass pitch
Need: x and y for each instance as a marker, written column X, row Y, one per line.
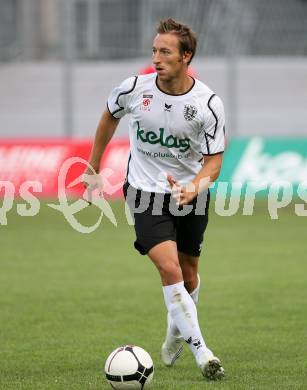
column 68, row 299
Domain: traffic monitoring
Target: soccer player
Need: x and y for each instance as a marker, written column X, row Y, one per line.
column 177, row 141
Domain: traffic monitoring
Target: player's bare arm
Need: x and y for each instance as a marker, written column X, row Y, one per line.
column 207, row 175
column 104, row 133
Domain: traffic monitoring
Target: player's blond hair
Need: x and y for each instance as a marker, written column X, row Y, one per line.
column 187, row 37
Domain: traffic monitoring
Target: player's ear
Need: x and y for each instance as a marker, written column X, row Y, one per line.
column 186, row 58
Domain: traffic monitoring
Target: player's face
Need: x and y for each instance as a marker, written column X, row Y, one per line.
column 167, row 59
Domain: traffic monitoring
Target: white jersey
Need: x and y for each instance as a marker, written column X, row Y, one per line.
column 169, row 134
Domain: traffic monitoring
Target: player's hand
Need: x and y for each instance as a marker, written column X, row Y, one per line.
column 92, row 181
column 182, row 195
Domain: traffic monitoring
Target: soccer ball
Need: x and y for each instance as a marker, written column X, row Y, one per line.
column 129, row 367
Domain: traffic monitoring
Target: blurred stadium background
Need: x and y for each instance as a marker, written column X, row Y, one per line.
column 59, row 60
column 68, row 299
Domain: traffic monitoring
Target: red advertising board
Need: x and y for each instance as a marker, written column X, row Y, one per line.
column 41, row 161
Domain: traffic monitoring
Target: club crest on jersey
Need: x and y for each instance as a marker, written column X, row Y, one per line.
column 189, row 112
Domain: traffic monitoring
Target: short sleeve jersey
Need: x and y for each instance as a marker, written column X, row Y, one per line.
column 169, row 134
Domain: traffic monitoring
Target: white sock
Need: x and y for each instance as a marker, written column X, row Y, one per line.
column 172, row 328
column 183, row 312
